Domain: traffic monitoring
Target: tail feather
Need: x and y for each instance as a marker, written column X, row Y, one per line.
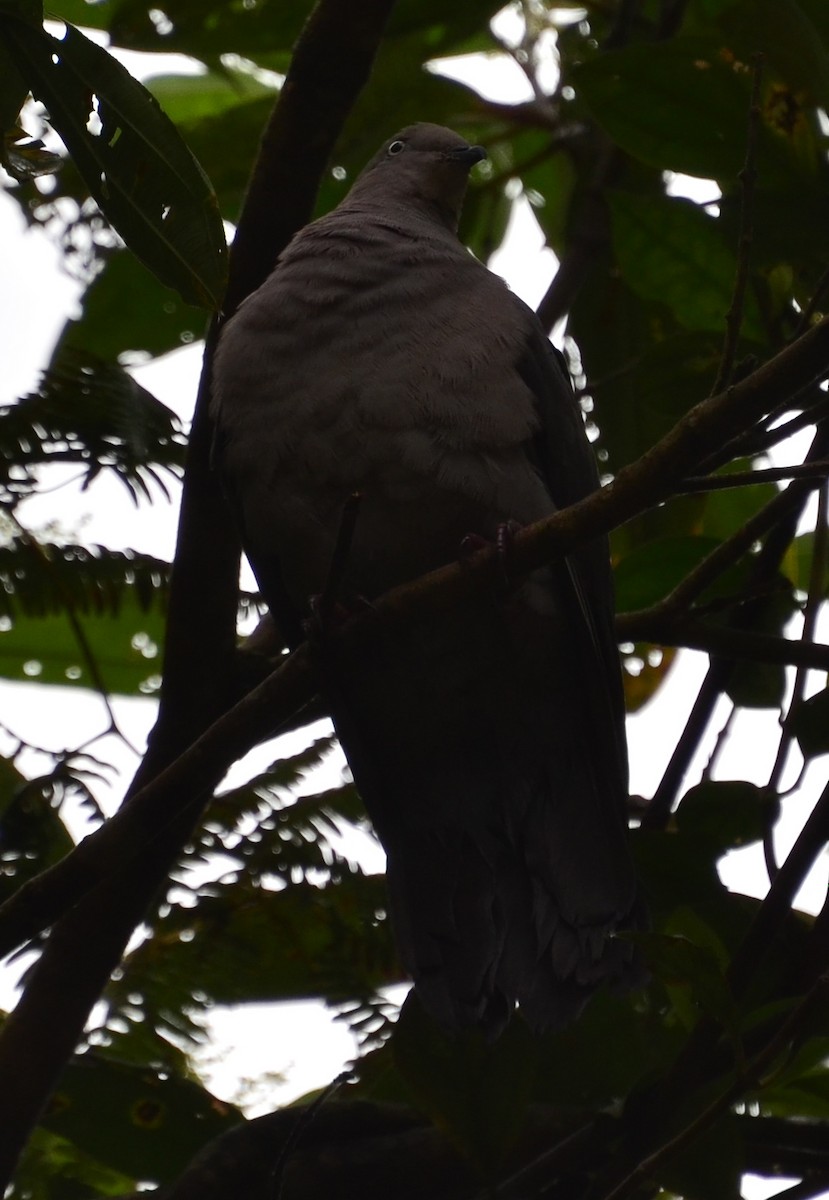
column 508, row 867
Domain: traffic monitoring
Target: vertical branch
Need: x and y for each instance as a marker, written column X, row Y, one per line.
column 814, row 599
column 331, row 64
column 747, row 178
column 788, row 508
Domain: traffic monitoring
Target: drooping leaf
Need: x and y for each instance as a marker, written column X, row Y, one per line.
column 475, row 1091
column 709, row 1168
column 126, row 648
column 810, row 725
column 605, row 1055
column 53, row 1168
column 133, row 161
column 32, row 834
column 148, row 1123
column 680, row 105
column 126, row 309
column 260, row 31
column 41, row 579
column 669, row 249
column 115, row 598
column 242, row 945
column 725, row 813
column 786, row 35
column 650, row 571
column 96, row 415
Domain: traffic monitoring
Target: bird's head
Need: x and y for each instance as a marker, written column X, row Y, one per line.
column 423, row 165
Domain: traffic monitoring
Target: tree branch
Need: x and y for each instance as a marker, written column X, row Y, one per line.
column 331, row 64
column 261, row 713
column 747, row 178
column 786, row 509
column 722, row 640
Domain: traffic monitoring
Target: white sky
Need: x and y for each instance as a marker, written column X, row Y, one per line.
column 300, row 1040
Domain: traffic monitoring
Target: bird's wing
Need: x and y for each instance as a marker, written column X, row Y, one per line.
column 562, row 454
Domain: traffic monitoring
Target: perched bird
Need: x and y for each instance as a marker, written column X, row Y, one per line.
column 381, row 357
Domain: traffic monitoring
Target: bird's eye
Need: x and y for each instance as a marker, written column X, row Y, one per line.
column 396, row 148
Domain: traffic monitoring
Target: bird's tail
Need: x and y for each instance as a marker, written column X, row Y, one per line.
column 501, row 806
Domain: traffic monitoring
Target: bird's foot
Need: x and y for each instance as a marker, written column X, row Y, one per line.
column 328, row 615
column 504, row 549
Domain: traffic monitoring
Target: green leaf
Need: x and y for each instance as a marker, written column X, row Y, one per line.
column 598, row 1060
column 649, row 572
column 671, row 373
column 782, row 32
column 225, row 142
column 136, row 166
column 727, row 509
column 797, row 564
column 724, row 813
column 126, row 649
column 763, row 685
column 13, row 87
column 800, row 1087
column 691, row 973
column 41, row 579
column 32, row 834
column 549, row 184
column 93, row 414
column 710, row 1167
column 147, row 1124
column 681, row 106
column 127, row 309
column 810, row 725
column 818, row 14
column 475, row 1091
column 117, row 599
column 245, row 944
column 259, row 31
column 13, row 93
column 189, row 98
column 669, row 249
column 52, row 1168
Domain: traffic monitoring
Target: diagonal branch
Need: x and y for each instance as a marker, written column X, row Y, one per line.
column 638, row 486
column 331, row 64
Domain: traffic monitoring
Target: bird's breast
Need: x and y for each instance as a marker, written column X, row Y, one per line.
column 387, row 377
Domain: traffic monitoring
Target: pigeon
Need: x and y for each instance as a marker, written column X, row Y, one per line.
column 381, row 359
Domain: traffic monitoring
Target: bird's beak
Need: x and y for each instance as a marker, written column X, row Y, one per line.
column 468, row 155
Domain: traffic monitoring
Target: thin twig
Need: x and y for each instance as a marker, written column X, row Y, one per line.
column 531, row 1177
column 689, row 1067
column 37, row 904
column 749, row 1076
column 765, row 565
column 714, row 483
column 809, row 1188
column 719, row 744
column 747, row 178
column 814, row 600
column 725, row 555
column 809, row 311
column 724, row 640
column 305, row 1118
column 762, row 437
column 331, row 63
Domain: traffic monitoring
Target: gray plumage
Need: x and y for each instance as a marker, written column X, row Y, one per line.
column 488, row 746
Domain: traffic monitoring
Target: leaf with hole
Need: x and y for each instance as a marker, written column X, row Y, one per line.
column 132, row 158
